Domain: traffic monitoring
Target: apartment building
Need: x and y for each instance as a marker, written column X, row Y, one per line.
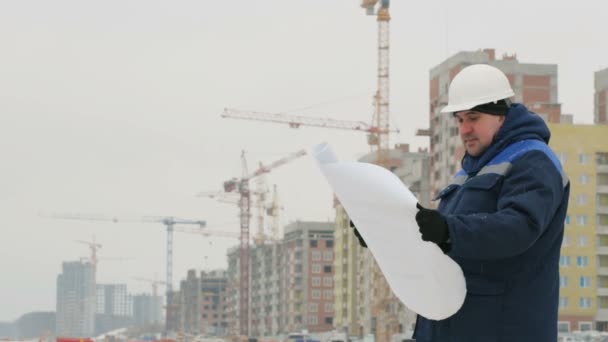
column 76, row 300
column 600, row 110
column 583, row 302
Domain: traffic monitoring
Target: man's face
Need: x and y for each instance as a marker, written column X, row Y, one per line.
column 477, row 130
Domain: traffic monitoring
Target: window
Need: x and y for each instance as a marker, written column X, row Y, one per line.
column 581, row 220
column 583, row 240
column 327, row 268
column 563, row 157
column 563, row 282
column 567, row 220
column 602, row 158
column 328, row 255
column 312, row 320
column 316, row 255
column 563, row 327
column 584, row 158
column 328, row 294
column 583, row 179
column 581, row 199
column 565, row 241
column 329, row 243
column 602, row 220
column 584, row 302
column 316, row 268
column 316, row 294
column 564, row 260
column 585, row 326
column 582, row 261
column 327, row 281
column 585, row 282
column 313, row 307
column 563, row 302
column 314, row 243
column 329, row 307
column 316, row 281
column 329, row 320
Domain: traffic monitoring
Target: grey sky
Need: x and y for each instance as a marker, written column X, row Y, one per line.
column 112, row 107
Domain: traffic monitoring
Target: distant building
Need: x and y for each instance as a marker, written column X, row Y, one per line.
column 291, row 282
column 266, row 274
column 113, row 299
column 600, row 110
column 147, row 310
column 307, row 286
column 201, row 304
column 76, row 300
column 114, row 308
column 535, row 85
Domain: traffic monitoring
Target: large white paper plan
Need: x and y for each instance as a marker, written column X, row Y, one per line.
column 383, row 210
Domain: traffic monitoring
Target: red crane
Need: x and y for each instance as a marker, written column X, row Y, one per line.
column 241, row 187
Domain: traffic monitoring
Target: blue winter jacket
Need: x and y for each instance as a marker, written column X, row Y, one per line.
column 505, row 211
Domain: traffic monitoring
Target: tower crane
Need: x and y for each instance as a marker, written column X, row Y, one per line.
column 168, row 221
column 94, row 246
column 381, row 100
column 241, row 187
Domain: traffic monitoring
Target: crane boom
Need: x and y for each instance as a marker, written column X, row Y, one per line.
column 276, row 163
column 295, row 121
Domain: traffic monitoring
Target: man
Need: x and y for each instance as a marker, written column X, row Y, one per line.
column 501, row 218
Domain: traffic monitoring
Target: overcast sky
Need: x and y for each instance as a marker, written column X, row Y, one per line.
column 113, row 108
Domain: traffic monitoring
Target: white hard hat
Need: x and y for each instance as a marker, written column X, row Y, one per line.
column 477, row 84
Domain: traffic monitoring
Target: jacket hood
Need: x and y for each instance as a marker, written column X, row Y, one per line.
column 520, row 124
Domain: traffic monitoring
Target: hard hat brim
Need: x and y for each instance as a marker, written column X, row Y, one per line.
column 468, row 105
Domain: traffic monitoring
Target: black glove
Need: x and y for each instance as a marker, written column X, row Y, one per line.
column 361, row 241
column 433, row 227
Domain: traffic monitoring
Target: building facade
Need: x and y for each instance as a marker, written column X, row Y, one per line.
column 147, row 310
column 307, row 287
column 266, row 274
column 600, row 110
column 113, row 299
column 200, row 306
column 583, row 151
column 76, row 304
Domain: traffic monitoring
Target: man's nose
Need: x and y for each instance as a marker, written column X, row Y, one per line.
column 464, row 128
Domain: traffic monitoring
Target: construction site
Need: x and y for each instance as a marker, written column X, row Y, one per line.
column 297, row 279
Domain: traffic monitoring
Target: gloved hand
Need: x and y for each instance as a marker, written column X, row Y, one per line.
column 361, row 241
column 433, row 226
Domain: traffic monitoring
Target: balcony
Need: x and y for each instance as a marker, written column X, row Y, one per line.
column 602, row 271
column 602, row 315
column 602, row 168
column 601, row 229
column 602, row 189
column 602, row 209
column 602, row 291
